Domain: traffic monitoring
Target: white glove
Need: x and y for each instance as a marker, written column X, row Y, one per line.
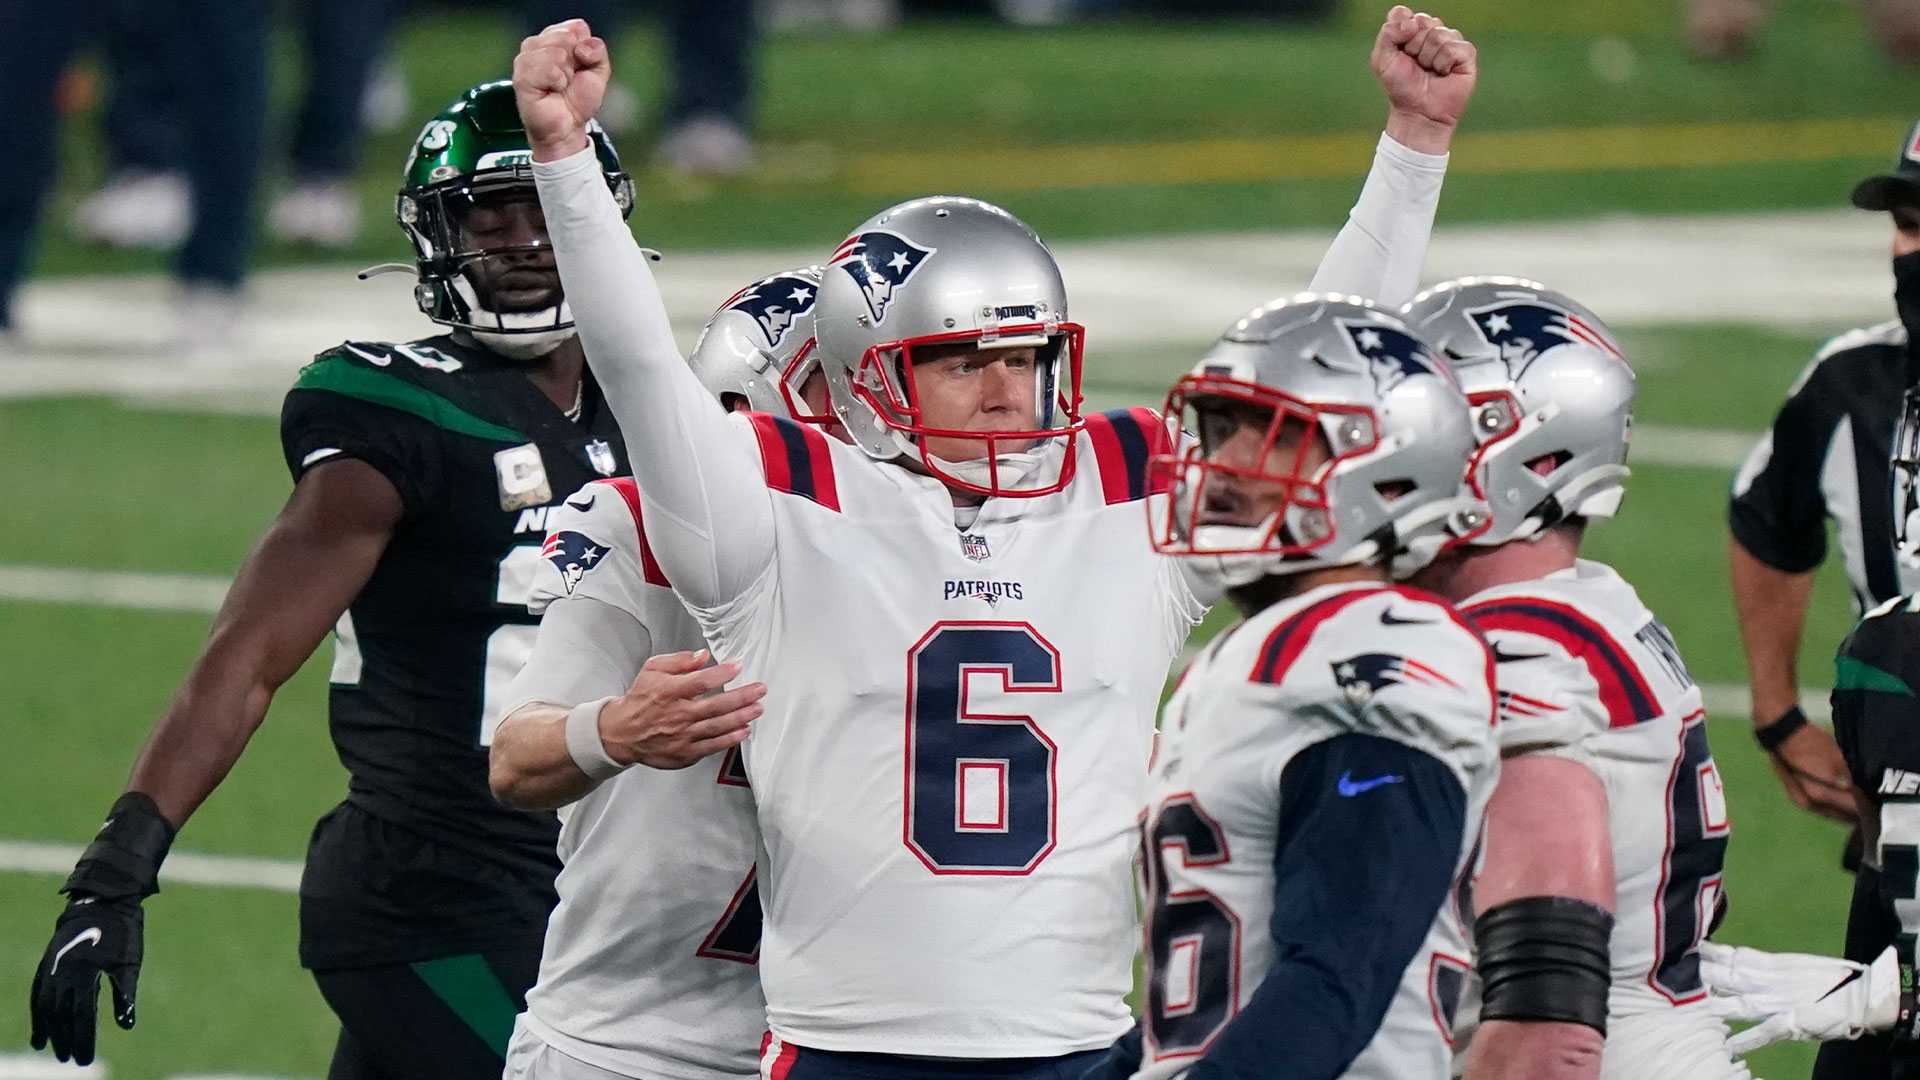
column 1798, row 996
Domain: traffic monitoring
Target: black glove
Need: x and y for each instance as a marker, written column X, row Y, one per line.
column 100, row 932
column 91, row 938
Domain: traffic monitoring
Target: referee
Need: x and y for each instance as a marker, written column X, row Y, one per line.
column 1826, row 458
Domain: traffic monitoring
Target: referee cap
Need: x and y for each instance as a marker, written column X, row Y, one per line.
column 1901, row 187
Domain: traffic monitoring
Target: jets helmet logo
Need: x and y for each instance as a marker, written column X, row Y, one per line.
column 880, row 262
column 1391, row 355
column 573, row 554
column 1520, row 330
column 1364, row 675
column 775, row 304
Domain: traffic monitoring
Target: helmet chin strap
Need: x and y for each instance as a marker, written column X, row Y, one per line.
column 1012, row 469
column 522, row 346
column 516, row 335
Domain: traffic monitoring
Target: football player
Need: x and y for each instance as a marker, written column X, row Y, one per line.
column 649, row 969
column 948, row 894
column 1323, row 766
column 423, row 476
column 1607, row 835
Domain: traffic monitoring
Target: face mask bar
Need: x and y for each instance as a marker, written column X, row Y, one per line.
column 1302, row 522
column 885, row 381
column 794, row 379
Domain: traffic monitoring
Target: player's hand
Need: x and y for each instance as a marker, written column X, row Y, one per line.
column 1798, row 996
column 559, row 79
column 1428, row 71
column 1814, row 773
column 90, row 939
column 675, row 713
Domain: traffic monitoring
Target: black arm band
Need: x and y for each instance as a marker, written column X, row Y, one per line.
column 1771, row 736
column 1545, row 958
column 124, row 859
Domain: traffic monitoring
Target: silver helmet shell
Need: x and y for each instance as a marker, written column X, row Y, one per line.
column 760, row 344
column 946, row 270
column 1552, row 395
column 1395, row 428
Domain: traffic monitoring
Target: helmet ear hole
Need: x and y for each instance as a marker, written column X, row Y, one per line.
column 1394, row 490
column 1545, row 464
column 733, row 402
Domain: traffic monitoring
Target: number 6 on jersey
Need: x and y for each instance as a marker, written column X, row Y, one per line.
column 980, row 787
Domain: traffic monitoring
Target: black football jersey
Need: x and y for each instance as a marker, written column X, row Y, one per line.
column 1876, row 718
column 425, row 652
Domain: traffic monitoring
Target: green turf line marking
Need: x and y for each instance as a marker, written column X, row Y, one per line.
column 1303, row 157
column 1850, row 673
column 473, row 992
column 342, row 376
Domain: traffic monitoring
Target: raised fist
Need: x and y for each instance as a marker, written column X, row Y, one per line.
column 1428, row 71
column 559, row 79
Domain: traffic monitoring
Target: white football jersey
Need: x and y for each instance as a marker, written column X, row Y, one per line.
column 1353, row 658
column 954, row 747
column 649, row 964
column 1588, row 673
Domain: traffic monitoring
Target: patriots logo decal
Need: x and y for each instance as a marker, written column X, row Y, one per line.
column 880, row 262
column 573, row 554
column 1391, row 355
column 1364, row 675
column 775, row 304
column 1521, row 330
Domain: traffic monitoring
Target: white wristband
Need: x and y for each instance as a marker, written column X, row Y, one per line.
column 583, row 741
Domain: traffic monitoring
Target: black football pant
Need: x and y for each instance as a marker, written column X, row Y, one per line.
column 443, row 1019
column 1871, row 927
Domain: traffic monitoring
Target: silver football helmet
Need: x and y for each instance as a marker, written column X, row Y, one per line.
column 1906, row 481
column 1552, row 398
column 1329, row 436
column 760, row 346
column 945, row 270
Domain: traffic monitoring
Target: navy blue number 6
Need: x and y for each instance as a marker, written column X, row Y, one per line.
column 980, row 787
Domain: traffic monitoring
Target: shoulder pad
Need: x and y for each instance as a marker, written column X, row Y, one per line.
column 596, row 545
column 1123, row 441
column 1547, row 623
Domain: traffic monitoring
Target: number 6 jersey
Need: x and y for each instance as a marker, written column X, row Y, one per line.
column 1586, row 672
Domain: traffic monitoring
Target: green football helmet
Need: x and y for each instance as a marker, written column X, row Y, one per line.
column 475, row 148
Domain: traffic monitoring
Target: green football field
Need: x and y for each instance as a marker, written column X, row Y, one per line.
column 1105, row 130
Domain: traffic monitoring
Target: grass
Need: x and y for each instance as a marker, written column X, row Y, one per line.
column 119, row 487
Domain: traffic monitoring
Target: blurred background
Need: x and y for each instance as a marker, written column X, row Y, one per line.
column 1681, row 167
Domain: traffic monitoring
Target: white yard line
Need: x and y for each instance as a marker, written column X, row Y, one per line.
column 182, row 867
column 128, row 589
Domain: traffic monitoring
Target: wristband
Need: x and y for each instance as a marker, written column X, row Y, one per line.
column 584, row 746
column 1771, row 736
column 123, row 862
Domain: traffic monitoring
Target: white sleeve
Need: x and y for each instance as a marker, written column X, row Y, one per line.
column 709, row 514
column 1380, row 252
column 586, row 649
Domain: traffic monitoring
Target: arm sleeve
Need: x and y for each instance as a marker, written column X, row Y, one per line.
column 586, row 649
column 1778, row 511
column 709, row 514
column 1383, row 247
column 1358, row 880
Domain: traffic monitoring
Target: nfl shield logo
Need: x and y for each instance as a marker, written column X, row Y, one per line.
column 974, row 546
column 600, row 456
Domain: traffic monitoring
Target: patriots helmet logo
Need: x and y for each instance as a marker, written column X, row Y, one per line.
column 573, row 554
column 775, row 304
column 1391, row 355
column 1365, row 675
column 880, row 262
column 1520, row 330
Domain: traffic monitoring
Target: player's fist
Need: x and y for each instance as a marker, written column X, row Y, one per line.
column 1428, row 71
column 91, row 938
column 676, row 713
column 559, row 80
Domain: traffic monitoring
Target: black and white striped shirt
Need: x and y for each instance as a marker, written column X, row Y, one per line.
column 1826, row 458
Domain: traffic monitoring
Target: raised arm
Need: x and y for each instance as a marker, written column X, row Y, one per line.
column 709, row 517
column 1428, row 71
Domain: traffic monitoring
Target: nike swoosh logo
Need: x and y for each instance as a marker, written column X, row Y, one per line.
column 1349, row 787
column 89, row 936
column 1852, row 977
column 1388, row 618
column 1514, row 657
column 583, row 507
column 372, row 358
